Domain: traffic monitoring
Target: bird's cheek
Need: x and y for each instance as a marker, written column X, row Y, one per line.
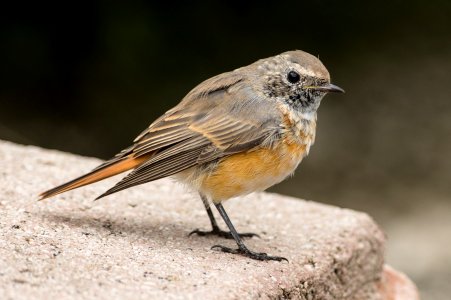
column 295, row 97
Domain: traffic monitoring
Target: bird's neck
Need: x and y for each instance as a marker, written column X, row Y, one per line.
column 301, row 126
column 305, row 127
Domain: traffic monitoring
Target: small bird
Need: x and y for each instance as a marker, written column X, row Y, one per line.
column 233, row 134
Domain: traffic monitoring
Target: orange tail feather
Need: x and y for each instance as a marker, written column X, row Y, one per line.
column 96, row 175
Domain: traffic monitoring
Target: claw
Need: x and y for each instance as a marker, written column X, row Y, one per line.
column 247, row 253
column 222, row 233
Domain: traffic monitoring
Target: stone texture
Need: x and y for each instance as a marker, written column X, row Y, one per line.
column 135, row 244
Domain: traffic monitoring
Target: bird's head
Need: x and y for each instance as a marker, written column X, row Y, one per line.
column 296, row 78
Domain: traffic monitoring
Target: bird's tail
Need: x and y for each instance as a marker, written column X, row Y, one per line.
column 104, row 171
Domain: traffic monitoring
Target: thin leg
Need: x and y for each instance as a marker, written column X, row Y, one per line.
column 215, row 228
column 214, row 225
column 242, row 249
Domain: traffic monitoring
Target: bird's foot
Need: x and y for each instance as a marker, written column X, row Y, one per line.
column 221, row 233
column 248, row 253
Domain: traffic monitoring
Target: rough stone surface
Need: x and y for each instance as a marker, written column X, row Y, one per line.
column 135, row 244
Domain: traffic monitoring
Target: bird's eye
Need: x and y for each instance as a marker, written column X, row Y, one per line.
column 293, row 77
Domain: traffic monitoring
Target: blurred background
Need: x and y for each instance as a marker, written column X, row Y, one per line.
column 87, row 77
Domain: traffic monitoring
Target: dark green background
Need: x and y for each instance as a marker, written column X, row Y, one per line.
column 87, row 77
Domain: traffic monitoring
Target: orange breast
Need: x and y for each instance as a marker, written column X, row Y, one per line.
column 244, row 173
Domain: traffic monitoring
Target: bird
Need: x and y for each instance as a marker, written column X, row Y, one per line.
column 233, row 134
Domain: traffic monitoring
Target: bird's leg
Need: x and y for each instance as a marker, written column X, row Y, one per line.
column 215, row 228
column 242, row 249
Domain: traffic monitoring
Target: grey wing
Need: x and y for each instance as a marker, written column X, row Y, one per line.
column 202, row 129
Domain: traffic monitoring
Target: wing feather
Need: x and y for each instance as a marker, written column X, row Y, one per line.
column 204, row 127
column 159, row 169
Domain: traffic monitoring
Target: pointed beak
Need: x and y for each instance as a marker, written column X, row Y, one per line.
column 332, row 88
column 329, row 87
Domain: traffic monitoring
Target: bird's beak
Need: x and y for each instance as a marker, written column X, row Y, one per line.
column 329, row 87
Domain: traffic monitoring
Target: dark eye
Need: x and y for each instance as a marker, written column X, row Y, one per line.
column 293, row 77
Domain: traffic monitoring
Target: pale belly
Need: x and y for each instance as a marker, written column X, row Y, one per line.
column 244, row 173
